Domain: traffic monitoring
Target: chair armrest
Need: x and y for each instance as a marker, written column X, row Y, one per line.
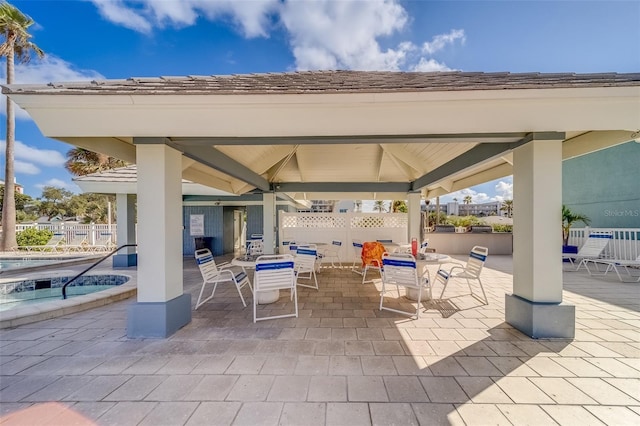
column 223, row 265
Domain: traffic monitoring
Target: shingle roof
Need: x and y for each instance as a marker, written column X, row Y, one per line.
column 330, row 82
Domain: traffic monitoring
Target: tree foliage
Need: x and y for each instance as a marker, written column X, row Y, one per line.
column 15, row 45
column 507, row 207
column 34, row 237
column 379, row 206
column 82, row 162
column 399, row 206
column 568, row 219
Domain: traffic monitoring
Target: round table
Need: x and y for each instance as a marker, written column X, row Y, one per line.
column 248, row 261
column 424, row 260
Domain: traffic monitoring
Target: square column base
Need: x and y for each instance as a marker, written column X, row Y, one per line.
column 158, row 319
column 540, row 320
column 125, row 260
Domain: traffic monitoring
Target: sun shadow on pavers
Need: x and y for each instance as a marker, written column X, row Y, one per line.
column 341, row 362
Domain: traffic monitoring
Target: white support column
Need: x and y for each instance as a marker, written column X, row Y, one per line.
column 162, row 306
column 413, row 206
column 535, row 307
column 126, row 221
column 268, row 221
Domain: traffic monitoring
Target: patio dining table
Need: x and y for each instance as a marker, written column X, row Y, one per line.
column 248, row 261
column 424, row 260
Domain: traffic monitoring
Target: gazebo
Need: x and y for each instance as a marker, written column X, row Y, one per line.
column 344, row 135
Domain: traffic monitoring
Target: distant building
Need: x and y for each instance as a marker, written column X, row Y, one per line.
column 480, row 210
column 321, row 206
column 19, row 188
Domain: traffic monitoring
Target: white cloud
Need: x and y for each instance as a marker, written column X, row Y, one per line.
column 59, row 183
column 252, row 17
column 117, row 12
column 44, row 157
column 23, row 167
column 48, row 69
column 343, row 34
column 323, row 34
column 429, row 65
column 504, row 191
column 440, row 41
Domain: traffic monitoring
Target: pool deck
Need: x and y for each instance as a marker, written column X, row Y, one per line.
column 342, row 362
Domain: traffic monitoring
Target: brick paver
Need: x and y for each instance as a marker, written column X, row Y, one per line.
column 341, row 362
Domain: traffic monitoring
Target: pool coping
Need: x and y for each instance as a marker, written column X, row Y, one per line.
column 71, row 261
column 57, row 308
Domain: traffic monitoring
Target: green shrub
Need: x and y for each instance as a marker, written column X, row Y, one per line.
column 502, row 228
column 463, row 220
column 34, row 237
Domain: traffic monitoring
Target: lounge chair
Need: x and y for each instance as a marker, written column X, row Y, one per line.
column 77, row 243
column 615, row 265
column 591, row 249
column 102, row 244
column 218, row 274
column 53, row 245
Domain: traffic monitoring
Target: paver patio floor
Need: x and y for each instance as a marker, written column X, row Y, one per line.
column 342, row 362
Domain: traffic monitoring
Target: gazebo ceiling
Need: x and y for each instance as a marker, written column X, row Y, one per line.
column 340, row 135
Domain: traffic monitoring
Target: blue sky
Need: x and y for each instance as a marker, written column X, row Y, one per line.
column 89, row 39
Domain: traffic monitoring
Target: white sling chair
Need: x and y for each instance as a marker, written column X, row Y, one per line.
column 214, row 274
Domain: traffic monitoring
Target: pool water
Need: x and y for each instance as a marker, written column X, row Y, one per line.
column 27, row 292
column 21, row 263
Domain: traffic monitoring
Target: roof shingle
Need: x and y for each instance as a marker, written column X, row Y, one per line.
column 329, row 82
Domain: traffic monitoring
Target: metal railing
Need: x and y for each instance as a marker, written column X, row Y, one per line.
column 64, row 287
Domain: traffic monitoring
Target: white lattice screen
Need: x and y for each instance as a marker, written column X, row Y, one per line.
column 345, row 227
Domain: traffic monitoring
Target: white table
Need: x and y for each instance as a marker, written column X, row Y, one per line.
column 424, row 260
column 248, row 261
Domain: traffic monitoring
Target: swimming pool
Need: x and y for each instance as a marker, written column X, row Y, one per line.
column 12, row 263
column 14, row 294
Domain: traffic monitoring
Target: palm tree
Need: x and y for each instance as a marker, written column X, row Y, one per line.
column 568, row 219
column 399, row 206
column 16, row 45
column 467, row 200
column 507, row 206
column 82, row 162
column 379, row 206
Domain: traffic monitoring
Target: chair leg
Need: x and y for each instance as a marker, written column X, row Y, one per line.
column 446, row 282
column 240, row 293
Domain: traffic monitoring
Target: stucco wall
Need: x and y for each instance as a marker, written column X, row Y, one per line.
column 605, row 186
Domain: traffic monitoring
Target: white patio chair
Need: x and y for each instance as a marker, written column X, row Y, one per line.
column 218, row 274
column 357, row 260
column 615, row 265
column 470, row 271
column 255, row 247
column 332, row 252
column 591, row 249
column 274, row 272
column 399, row 269
column 306, row 261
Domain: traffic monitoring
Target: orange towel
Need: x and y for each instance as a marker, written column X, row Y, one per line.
column 372, row 253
